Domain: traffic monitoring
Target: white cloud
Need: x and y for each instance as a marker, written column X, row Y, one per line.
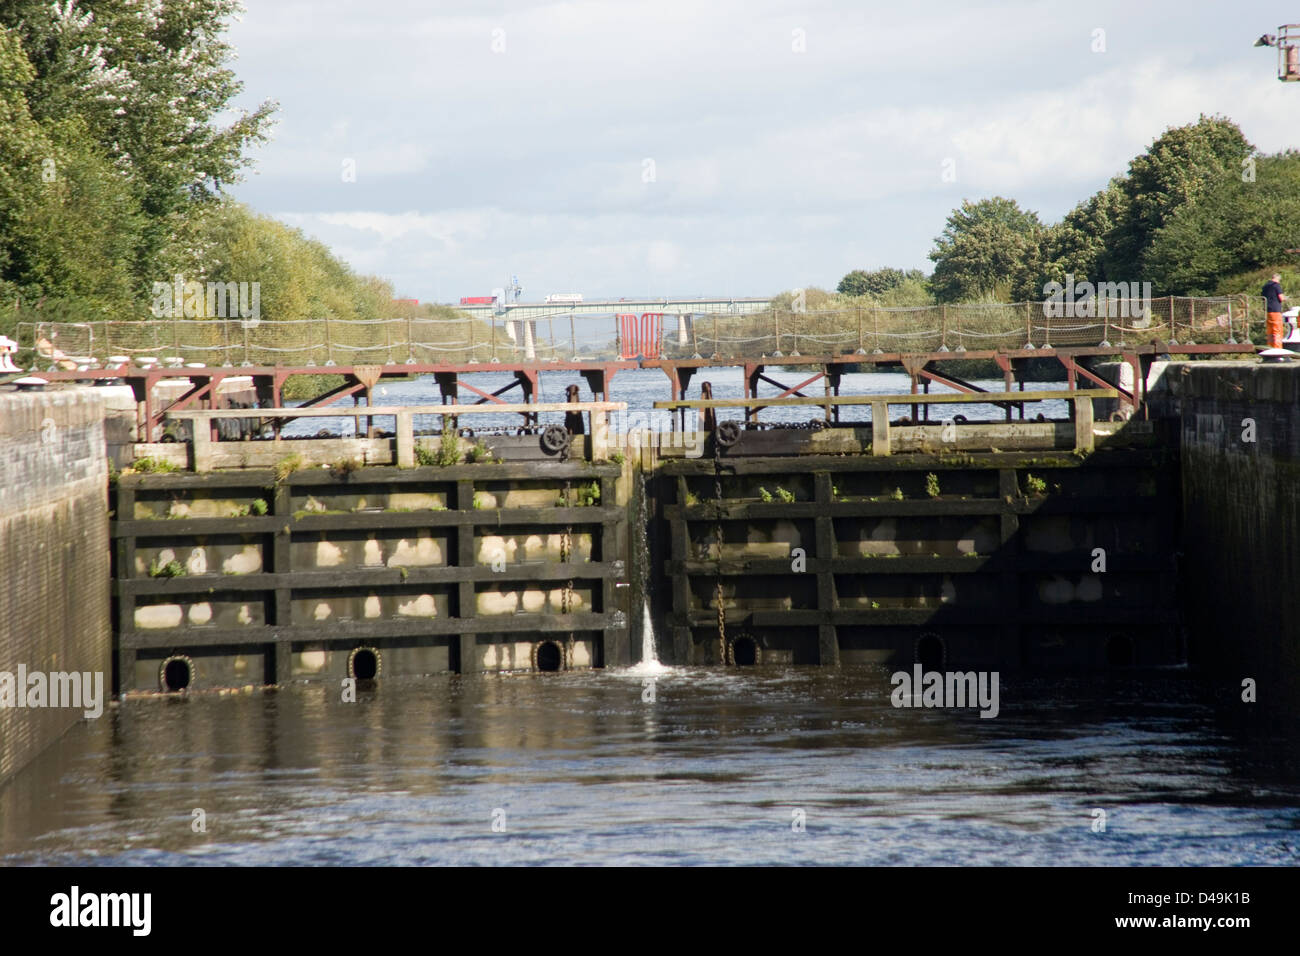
column 772, row 169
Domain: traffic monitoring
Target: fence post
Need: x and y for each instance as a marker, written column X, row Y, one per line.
column 861, row 350
column 1083, row 436
column 201, row 442
column 329, row 343
column 879, row 429
column 599, row 435
column 405, row 440
column 410, row 344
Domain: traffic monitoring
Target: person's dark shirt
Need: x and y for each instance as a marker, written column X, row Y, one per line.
column 1272, row 296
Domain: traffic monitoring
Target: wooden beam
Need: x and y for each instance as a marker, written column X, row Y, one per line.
column 392, row 410
column 982, row 398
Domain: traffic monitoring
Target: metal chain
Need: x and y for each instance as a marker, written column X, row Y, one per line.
column 717, row 539
column 566, row 595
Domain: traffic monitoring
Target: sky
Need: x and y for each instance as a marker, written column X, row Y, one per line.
column 682, row 148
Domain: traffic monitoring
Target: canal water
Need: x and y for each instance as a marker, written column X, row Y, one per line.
column 658, row 765
column 697, row 766
column 641, row 388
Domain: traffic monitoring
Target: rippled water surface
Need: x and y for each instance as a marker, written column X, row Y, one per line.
column 719, row 767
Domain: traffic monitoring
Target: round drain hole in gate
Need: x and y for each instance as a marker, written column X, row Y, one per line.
column 744, row 651
column 549, row 656
column 929, row 653
column 176, row 674
column 363, row 663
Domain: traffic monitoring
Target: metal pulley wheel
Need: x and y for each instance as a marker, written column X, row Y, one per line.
column 728, row 434
column 555, row 439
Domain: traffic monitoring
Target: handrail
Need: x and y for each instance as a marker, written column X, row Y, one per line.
column 404, row 415
column 1084, row 439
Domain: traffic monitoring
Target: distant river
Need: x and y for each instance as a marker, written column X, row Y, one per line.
column 641, row 388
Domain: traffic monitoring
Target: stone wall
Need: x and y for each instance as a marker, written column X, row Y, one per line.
column 1241, row 521
column 54, row 556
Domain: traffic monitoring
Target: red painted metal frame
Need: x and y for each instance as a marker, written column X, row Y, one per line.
column 269, row 380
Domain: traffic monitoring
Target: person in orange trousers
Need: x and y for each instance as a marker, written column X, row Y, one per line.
column 1273, row 299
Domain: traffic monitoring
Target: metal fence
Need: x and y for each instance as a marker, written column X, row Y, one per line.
column 597, row 337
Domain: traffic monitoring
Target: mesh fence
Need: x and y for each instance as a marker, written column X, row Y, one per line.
column 774, row 333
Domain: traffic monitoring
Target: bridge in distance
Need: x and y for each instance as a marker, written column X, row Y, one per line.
column 716, row 305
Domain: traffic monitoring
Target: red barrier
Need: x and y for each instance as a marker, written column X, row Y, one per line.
column 640, row 336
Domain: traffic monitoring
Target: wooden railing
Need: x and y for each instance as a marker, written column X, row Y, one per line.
column 1082, row 398
column 404, row 422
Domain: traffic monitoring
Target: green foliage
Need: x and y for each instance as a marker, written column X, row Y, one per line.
column 344, row 467
column 1234, row 229
column 479, row 502
column 897, row 494
column 814, row 300
column 932, row 485
column 1181, row 217
column 448, row 448
column 589, row 495
column 617, row 458
column 478, row 452
column 989, row 250
column 765, row 495
column 287, row 465
column 149, row 465
column 258, row 507
column 877, row 283
column 1035, row 486
column 172, row 569
column 1180, row 167
column 785, row 496
column 306, row 387
column 111, row 123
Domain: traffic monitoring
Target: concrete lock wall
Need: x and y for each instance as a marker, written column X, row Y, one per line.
column 1241, row 521
column 54, row 557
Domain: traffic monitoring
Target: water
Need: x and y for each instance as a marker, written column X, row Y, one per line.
column 664, row 765
column 640, row 388
column 711, row 768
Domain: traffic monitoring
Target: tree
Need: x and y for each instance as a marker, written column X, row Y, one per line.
column 876, row 283
column 1235, row 226
column 1077, row 244
column 1177, row 169
column 988, row 249
column 150, row 80
column 68, row 220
